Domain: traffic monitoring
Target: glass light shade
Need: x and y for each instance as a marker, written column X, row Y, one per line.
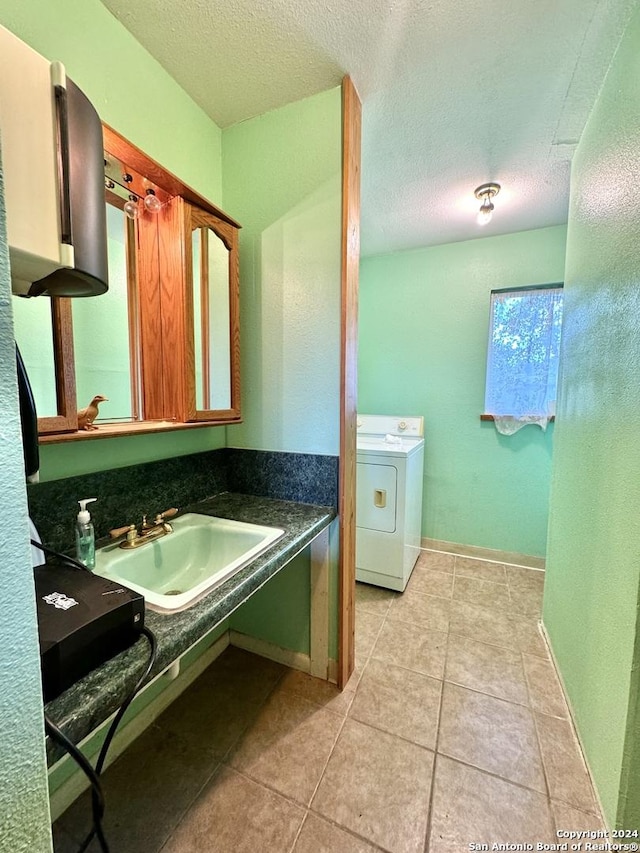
column 485, row 213
column 152, row 202
column 131, row 208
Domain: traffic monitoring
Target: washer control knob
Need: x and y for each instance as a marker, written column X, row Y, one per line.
column 358, row 423
column 402, row 425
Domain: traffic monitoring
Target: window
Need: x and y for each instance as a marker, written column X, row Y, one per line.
column 522, row 357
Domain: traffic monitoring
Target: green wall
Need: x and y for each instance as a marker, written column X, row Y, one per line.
column 282, row 180
column 137, row 97
column 423, row 330
column 593, row 564
column 24, row 808
column 271, row 613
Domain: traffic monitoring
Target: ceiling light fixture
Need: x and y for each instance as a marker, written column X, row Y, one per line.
column 486, row 192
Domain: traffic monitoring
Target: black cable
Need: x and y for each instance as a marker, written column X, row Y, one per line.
column 125, row 705
column 96, row 788
column 97, row 796
column 65, row 558
column 95, row 800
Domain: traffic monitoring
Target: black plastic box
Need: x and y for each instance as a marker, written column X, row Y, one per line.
column 83, row 621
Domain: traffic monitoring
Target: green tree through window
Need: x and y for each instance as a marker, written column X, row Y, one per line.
column 523, row 352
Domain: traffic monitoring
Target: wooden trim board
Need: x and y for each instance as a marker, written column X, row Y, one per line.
column 319, row 606
column 351, row 136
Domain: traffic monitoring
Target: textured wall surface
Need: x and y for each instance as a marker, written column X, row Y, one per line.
column 282, row 175
column 24, row 806
column 593, row 566
column 83, row 457
column 282, row 181
column 424, row 325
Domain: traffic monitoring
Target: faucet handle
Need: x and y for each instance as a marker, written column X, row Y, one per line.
column 120, row 531
column 168, row 513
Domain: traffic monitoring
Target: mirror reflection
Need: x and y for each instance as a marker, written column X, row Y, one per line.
column 34, row 336
column 211, row 320
column 101, row 332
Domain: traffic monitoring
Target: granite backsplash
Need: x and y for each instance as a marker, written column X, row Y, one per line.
column 125, row 494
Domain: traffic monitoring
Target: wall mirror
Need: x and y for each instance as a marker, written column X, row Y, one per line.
column 41, row 331
column 37, row 350
column 163, row 344
column 105, row 339
column 212, row 309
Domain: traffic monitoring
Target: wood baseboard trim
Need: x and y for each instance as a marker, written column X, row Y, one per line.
column 287, row 657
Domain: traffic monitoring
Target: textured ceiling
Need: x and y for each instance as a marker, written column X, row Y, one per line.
column 455, row 93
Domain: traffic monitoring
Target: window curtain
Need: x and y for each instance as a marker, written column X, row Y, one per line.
column 522, row 363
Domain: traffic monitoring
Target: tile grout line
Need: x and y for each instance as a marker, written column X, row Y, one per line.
column 520, row 785
column 495, row 775
column 261, row 783
column 373, row 645
column 326, row 764
column 546, row 775
column 490, row 695
column 299, row 832
column 535, row 714
column 188, row 808
column 407, row 668
column 375, row 728
column 495, row 645
column 308, row 809
column 260, row 706
column 221, row 762
column 482, row 559
column 347, row 830
column 543, row 763
column 517, row 616
column 427, row 837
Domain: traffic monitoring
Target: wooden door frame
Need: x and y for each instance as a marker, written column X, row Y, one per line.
column 351, row 143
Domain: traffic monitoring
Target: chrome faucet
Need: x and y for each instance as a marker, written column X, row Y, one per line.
column 148, row 532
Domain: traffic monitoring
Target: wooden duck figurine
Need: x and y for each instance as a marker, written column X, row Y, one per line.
column 87, row 416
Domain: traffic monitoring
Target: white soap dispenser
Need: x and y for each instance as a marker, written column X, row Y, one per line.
column 85, row 536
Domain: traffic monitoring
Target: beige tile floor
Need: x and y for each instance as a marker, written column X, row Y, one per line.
column 452, row 731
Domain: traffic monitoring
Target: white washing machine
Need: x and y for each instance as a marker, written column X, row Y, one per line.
column 389, row 479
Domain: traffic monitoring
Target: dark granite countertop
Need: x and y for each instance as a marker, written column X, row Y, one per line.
column 90, row 701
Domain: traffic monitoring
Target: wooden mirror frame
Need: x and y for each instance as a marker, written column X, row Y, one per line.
column 66, row 420
column 163, row 310
column 196, row 218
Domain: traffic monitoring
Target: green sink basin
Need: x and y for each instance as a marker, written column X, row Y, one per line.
column 178, row 569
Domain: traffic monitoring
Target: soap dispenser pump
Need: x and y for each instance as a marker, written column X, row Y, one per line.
column 85, row 536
